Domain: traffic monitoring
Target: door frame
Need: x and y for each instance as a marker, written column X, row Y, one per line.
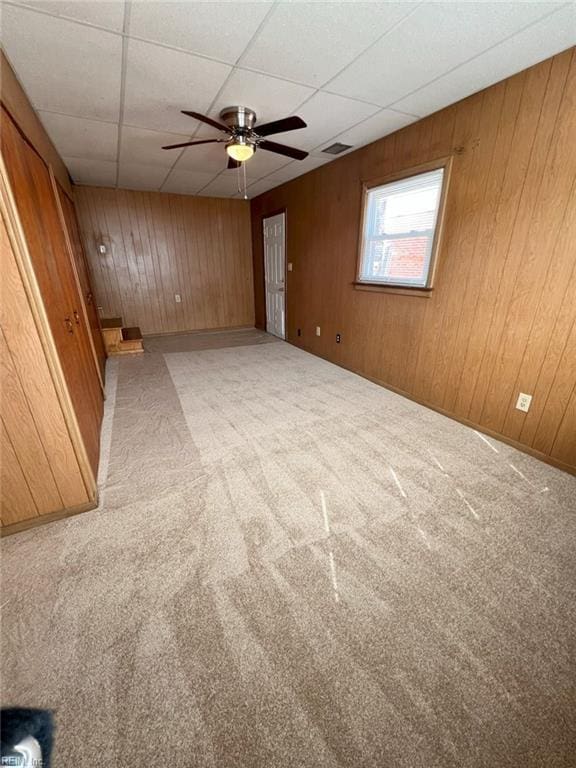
column 265, row 216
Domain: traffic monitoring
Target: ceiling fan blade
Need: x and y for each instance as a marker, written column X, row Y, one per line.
column 282, row 149
column 208, row 120
column 192, row 143
column 233, row 163
column 280, row 126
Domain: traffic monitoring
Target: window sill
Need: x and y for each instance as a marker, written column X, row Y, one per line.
column 401, row 290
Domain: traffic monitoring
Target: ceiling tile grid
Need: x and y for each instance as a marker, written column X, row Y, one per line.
column 64, row 66
column 110, row 78
column 108, row 14
column 82, row 138
column 96, row 173
column 210, row 29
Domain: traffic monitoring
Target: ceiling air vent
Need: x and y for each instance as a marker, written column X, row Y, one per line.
column 335, row 149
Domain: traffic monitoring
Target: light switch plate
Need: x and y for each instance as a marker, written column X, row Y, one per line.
column 523, row 402
column 289, row 266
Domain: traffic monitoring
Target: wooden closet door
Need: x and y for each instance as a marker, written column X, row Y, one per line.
column 53, row 228
column 83, row 275
column 34, row 196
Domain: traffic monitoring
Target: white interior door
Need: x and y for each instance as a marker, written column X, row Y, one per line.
column 275, row 274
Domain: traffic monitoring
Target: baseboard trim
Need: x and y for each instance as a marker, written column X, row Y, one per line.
column 201, row 330
column 467, row 423
column 51, row 517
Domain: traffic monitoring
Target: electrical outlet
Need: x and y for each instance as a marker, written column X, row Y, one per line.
column 289, row 266
column 338, row 338
column 177, row 298
column 523, row 402
column 102, row 249
column 317, row 330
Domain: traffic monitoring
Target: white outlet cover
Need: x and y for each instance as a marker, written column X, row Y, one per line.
column 289, row 266
column 317, row 330
column 523, row 402
column 177, row 298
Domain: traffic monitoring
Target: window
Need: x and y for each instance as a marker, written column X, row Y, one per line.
column 399, row 231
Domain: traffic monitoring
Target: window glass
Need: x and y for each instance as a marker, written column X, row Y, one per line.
column 399, row 226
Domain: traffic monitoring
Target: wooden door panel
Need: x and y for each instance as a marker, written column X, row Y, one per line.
column 30, row 369
column 36, row 205
column 17, row 503
column 24, row 436
column 83, row 275
column 88, row 397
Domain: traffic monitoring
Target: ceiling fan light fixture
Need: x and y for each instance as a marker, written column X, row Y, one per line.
column 245, row 136
column 240, row 149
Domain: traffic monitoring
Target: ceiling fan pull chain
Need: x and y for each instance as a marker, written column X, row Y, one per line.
column 244, row 169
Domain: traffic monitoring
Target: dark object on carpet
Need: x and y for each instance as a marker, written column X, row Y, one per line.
column 19, row 724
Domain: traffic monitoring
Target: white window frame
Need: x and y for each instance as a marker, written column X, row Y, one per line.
column 367, row 187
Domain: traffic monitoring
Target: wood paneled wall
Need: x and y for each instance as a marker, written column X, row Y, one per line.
column 160, row 245
column 502, row 316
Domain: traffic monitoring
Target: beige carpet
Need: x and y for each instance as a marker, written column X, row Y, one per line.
column 292, row 566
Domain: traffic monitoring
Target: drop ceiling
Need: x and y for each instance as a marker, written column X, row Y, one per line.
column 109, row 79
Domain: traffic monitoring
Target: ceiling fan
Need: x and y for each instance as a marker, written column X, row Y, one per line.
column 243, row 137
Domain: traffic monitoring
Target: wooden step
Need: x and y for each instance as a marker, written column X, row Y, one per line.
column 111, row 322
column 131, row 341
column 131, row 334
column 119, row 340
column 112, row 339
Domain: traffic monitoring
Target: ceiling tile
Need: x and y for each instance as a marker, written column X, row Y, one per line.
column 430, row 42
column 259, row 187
column 103, row 13
column 64, row 66
column 78, row 137
column 161, row 82
column 553, row 34
column 381, row 124
column 140, row 146
column 269, row 97
column 140, row 176
column 218, row 29
column 264, row 162
column 186, row 182
column 98, row 173
column 311, row 42
column 298, row 168
column 326, row 115
column 206, row 158
column 225, row 185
